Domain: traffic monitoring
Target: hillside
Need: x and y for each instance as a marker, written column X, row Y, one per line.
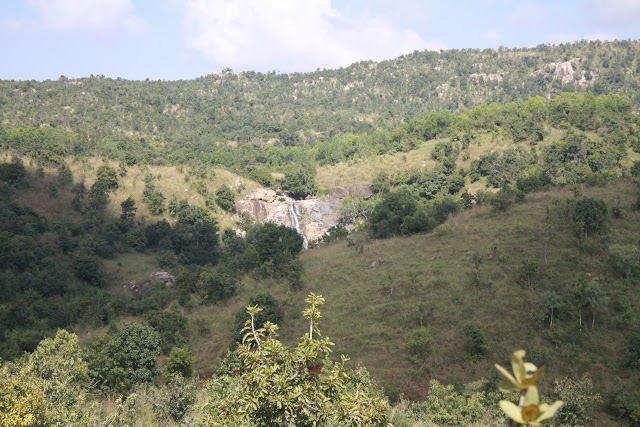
column 154, row 119
column 501, row 210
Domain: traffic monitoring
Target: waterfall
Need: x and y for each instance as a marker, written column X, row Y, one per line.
column 294, row 216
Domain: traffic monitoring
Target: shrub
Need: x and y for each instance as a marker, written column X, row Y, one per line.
column 592, row 214
column 419, row 343
column 300, row 182
column 217, row 286
column 476, row 346
column 179, row 362
column 579, row 400
column 125, row 358
column 225, row 198
column 171, row 325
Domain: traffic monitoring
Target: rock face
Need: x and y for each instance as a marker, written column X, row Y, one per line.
column 157, row 277
column 566, row 72
column 312, row 216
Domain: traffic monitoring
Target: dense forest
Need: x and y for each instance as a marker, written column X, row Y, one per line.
column 504, row 214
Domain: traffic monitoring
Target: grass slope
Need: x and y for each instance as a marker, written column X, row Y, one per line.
column 370, row 310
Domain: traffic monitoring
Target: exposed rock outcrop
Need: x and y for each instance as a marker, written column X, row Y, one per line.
column 157, row 277
column 314, row 216
column 566, row 72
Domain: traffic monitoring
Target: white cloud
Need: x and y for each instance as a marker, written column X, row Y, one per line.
column 529, row 15
column 491, row 35
column 614, row 14
column 291, row 35
column 96, row 16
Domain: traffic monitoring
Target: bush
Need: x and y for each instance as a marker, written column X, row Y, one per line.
column 476, row 346
column 225, row 198
column 271, row 312
column 399, row 213
column 592, row 214
column 419, row 343
column 88, row 269
column 171, row 325
column 217, row 286
column 579, row 400
column 300, row 182
column 180, row 395
column 125, row 358
column 179, row 362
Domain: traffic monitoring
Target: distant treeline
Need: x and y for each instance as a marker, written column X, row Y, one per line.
column 152, row 120
column 609, row 115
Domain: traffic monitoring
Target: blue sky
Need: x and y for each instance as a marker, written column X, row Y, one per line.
column 184, row 39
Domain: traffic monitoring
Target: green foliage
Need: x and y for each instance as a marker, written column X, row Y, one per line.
column 445, row 406
column 381, row 183
column 419, row 343
column 354, row 208
column 398, row 213
column 12, row 173
column 626, row 259
column 274, row 243
column 300, row 182
column 179, row 362
column 88, row 269
column 65, row 177
column 107, row 176
column 334, row 234
column 592, row 213
column 280, row 386
column 271, row 311
column 476, row 346
column 125, row 358
column 217, row 286
column 153, row 198
column 177, row 399
column 128, row 210
column 171, row 325
column 579, row 400
column 225, row 198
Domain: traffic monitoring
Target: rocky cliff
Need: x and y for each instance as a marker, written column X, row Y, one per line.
column 311, row 217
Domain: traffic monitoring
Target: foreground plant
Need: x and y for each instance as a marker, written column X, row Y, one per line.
column 299, row 387
column 529, row 411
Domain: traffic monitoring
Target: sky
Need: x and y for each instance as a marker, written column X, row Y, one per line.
column 185, row 39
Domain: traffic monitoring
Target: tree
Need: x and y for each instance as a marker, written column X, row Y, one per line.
column 552, row 301
column 300, row 182
column 225, row 198
column 128, row 210
column 579, row 400
column 65, row 177
column 592, row 214
column 283, row 387
column 271, row 312
column 419, row 342
column 179, row 362
column 125, row 358
column 275, row 243
column 399, row 213
column 108, row 176
column 595, row 298
column 626, row 258
column 154, row 198
column 171, row 325
column 217, row 286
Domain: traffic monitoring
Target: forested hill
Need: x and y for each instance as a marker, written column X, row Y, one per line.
column 302, row 108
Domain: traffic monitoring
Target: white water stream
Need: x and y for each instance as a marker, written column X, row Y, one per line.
column 294, row 216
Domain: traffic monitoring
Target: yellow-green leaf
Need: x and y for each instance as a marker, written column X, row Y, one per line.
column 512, row 410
